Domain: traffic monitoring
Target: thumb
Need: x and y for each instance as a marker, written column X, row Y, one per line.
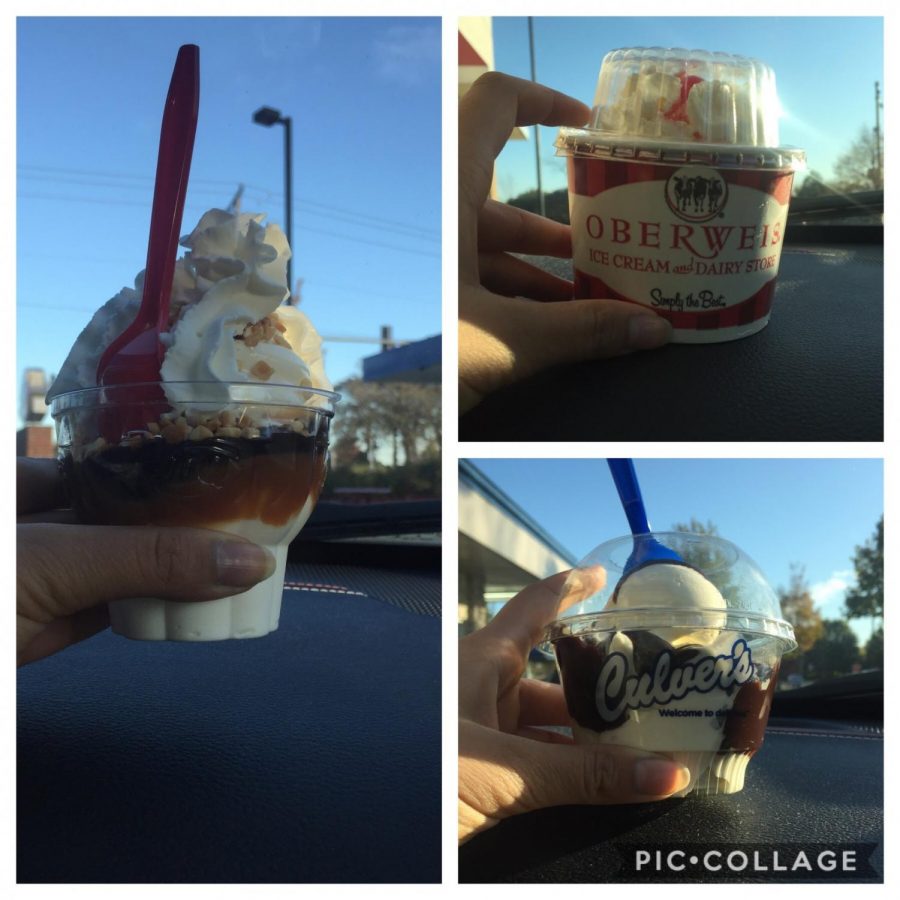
column 577, row 330
column 63, row 569
column 560, row 774
column 506, row 339
column 504, row 774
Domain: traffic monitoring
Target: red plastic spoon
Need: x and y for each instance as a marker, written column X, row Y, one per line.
column 136, row 355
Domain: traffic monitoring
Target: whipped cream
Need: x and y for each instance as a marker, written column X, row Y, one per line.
column 232, row 277
column 682, row 107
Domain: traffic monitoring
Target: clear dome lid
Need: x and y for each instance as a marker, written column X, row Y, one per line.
column 653, row 96
column 718, row 587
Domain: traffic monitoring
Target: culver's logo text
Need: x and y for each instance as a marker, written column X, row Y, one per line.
column 617, row 691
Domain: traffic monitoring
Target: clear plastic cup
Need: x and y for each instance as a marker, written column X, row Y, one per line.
column 248, row 459
column 679, row 191
column 683, row 661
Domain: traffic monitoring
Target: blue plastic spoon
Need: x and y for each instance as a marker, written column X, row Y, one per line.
column 646, row 548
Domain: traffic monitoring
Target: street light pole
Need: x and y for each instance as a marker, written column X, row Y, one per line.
column 267, row 116
column 288, row 201
column 537, row 128
column 878, row 106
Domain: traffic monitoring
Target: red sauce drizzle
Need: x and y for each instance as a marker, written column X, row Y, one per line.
column 677, row 112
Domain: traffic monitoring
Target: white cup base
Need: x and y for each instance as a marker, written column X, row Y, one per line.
column 717, row 335
column 254, row 613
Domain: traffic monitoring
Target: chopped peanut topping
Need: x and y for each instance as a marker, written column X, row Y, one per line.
column 269, row 329
column 177, row 426
column 262, row 370
column 175, row 433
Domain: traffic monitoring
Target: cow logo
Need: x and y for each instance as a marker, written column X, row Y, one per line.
column 696, row 194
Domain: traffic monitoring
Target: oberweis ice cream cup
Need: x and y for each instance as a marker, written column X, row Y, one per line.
column 679, row 192
column 248, row 459
column 677, row 659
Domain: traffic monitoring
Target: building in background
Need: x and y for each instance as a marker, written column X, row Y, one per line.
column 418, row 362
column 501, row 549
column 476, row 57
column 476, row 50
column 35, row 439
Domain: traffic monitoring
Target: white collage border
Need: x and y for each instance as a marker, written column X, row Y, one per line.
column 450, row 10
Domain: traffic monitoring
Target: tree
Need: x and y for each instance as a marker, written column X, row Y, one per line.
column 374, row 415
column 695, row 526
column 813, row 186
column 410, row 413
column 835, row 652
column 556, row 204
column 705, row 557
column 345, row 451
column 358, row 417
column 798, row 608
column 866, row 597
column 875, row 650
column 857, row 169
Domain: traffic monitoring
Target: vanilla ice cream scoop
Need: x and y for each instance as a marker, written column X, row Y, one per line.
column 671, row 587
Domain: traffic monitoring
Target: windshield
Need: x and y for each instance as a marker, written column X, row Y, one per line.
column 813, row 528
column 836, row 115
column 365, row 263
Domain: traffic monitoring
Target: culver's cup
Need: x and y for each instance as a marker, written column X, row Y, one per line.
column 679, row 192
column 678, row 659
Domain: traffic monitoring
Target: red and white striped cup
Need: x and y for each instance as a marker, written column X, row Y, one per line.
column 678, row 194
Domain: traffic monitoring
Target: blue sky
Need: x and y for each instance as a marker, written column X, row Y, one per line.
column 364, row 96
column 825, row 69
column 779, row 511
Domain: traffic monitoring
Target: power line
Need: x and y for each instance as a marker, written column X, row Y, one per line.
column 106, row 174
column 73, row 309
column 329, row 338
column 307, row 282
column 337, row 234
column 144, row 204
column 374, row 219
column 402, row 230
column 145, row 180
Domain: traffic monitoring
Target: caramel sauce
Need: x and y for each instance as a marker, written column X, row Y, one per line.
column 198, row 483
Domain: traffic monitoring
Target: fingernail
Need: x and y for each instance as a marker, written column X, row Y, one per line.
column 660, row 777
column 241, row 564
column 646, row 332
